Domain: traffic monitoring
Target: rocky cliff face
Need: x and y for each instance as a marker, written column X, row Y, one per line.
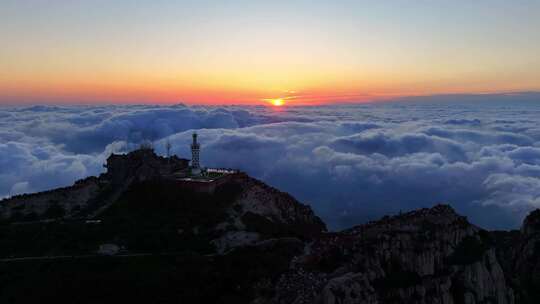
column 260, row 212
column 519, row 253
column 426, row 256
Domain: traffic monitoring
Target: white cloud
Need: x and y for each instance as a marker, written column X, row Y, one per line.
column 351, row 162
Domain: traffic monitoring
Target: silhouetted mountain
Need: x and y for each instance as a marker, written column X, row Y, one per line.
column 146, row 232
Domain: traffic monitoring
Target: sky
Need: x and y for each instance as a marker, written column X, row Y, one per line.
column 249, row 52
column 351, row 162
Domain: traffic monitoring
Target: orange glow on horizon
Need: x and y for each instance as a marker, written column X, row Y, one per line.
column 227, row 87
column 234, row 81
column 89, row 94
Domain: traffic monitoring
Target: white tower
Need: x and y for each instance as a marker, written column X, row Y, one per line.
column 195, row 149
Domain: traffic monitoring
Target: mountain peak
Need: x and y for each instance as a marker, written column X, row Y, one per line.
column 261, row 244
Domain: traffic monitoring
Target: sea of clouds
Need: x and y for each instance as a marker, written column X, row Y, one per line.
column 351, row 163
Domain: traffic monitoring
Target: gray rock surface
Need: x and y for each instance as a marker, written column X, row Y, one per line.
column 425, row 256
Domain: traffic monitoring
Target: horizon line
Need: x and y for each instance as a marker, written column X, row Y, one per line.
column 374, row 99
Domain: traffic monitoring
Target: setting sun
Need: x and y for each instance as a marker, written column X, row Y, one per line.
column 277, row 102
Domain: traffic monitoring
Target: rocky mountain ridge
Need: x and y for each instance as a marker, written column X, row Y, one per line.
column 246, row 242
column 424, row 256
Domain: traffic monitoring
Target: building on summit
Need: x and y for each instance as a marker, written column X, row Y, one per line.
column 144, row 164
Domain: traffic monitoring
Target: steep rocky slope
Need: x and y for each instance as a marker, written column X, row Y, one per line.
column 425, row 256
column 526, row 257
column 225, row 245
column 519, row 253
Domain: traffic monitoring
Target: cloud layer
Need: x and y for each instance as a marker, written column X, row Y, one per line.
column 352, row 163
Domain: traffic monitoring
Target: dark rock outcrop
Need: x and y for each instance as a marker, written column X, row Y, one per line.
column 88, row 195
column 519, row 253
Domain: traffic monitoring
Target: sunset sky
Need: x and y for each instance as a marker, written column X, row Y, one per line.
column 249, row 52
